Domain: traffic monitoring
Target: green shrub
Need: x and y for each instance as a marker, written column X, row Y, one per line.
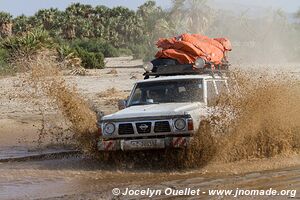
column 109, row 50
column 96, row 46
column 90, row 60
column 65, row 51
column 5, row 68
column 27, row 44
column 3, row 57
column 100, row 57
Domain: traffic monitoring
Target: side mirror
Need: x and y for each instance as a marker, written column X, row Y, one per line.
column 122, row 104
column 99, row 115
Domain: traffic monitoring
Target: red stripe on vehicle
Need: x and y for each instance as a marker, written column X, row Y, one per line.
column 108, row 145
column 176, row 141
column 183, row 142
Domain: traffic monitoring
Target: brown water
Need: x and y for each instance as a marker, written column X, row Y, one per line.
column 46, row 80
column 260, row 118
column 79, row 178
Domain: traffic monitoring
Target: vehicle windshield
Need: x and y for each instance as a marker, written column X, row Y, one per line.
column 187, row 90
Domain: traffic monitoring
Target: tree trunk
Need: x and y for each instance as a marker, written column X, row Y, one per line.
column 69, row 32
column 6, row 29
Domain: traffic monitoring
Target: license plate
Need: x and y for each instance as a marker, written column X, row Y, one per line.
column 142, row 144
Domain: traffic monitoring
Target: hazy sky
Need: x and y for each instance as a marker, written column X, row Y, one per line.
column 29, row 7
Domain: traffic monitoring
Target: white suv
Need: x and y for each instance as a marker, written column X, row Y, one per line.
column 162, row 112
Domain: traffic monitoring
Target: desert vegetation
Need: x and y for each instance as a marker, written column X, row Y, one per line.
column 88, row 34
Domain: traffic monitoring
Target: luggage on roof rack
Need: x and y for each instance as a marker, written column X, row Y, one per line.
column 190, row 54
column 187, row 48
column 167, row 67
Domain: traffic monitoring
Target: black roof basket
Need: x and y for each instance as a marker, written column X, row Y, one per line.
column 186, row 69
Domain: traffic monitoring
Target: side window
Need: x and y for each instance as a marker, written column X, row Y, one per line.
column 211, row 94
column 137, row 96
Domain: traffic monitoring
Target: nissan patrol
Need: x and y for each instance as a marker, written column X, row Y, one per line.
column 161, row 112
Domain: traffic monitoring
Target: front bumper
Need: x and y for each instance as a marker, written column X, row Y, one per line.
column 143, row 144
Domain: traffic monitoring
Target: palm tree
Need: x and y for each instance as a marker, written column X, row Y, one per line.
column 149, row 13
column 122, row 26
column 101, row 13
column 48, row 18
column 84, row 28
column 99, row 20
column 68, row 26
column 78, row 21
column 192, row 16
column 5, row 24
column 21, row 24
column 82, row 10
column 155, row 21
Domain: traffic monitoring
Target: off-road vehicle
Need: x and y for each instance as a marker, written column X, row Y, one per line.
column 163, row 111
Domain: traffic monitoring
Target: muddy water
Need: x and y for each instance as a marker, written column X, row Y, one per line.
column 78, row 178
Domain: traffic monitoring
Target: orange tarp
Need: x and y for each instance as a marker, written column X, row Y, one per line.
column 186, row 48
column 181, row 56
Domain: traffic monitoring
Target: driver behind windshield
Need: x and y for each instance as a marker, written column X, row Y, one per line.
column 156, row 95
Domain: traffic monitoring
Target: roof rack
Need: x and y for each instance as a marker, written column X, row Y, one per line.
column 186, row 69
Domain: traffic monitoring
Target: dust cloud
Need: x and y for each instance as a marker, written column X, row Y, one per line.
column 258, row 35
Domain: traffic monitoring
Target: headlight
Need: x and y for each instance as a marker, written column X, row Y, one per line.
column 109, row 128
column 180, row 124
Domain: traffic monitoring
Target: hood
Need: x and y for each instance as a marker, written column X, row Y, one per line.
column 153, row 110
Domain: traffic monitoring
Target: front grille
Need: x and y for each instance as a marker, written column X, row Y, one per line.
column 143, row 127
column 162, row 127
column 126, row 129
